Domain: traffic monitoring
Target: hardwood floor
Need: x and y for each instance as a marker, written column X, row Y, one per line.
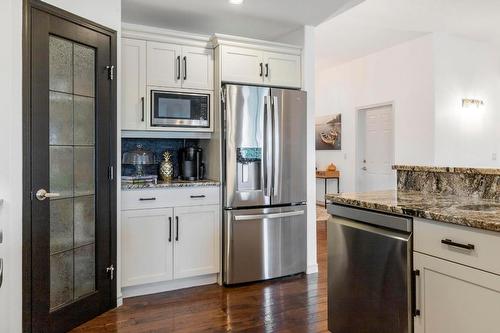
column 292, row 304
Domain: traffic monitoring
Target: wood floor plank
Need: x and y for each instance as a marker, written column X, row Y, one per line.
column 289, row 305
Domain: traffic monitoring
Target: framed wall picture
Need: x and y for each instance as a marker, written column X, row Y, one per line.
column 329, row 132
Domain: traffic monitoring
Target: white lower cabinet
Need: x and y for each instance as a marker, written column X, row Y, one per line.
column 453, row 298
column 161, row 244
column 146, row 249
column 196, row 244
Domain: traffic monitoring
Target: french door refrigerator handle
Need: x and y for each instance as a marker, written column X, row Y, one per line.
column 276, row 145
column 268, row 216
column 267, row 147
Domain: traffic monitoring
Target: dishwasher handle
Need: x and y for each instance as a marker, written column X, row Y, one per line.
column 268, row 216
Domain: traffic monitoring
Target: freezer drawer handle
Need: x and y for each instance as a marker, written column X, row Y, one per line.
column 449, row 242
column 197, row 196
column 268, row 216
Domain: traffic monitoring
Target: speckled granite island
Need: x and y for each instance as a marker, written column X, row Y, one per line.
column 443, row 260
column 463, row 196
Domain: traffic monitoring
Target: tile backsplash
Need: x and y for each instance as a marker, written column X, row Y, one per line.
column 158, row 147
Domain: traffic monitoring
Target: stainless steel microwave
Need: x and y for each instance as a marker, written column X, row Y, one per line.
column 180, row 109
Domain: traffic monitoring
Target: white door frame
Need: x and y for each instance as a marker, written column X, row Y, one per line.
column 358, row 138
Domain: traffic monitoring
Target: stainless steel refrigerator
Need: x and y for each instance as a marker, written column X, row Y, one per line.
column 264, row 183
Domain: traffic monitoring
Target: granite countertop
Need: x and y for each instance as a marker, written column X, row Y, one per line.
column 439, row 207
column 172, row 184
column 442, row 169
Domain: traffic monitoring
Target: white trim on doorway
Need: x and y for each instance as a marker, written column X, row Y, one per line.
column 360, row 134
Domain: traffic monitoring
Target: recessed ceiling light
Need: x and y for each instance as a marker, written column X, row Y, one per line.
column 236, row 2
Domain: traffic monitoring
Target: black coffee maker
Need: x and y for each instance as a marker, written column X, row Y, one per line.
column 191, row 166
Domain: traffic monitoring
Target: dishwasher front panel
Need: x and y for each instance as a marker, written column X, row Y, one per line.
column 264, row 243
column 369, row 278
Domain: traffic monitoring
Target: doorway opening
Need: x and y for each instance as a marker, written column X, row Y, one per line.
column 69, row 150
column 375, row 148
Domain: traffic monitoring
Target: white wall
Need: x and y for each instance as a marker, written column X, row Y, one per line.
column 401, row 75
column 305, row 37
column 10, row 165
column 107, row 13
column 464, row 68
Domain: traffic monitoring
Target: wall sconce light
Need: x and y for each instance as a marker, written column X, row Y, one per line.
column 468, row 103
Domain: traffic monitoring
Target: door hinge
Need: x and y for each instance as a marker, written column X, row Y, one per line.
column 111, row 172
column 111, row 72
column 111, row 271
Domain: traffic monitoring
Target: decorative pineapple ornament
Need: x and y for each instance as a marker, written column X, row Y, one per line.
column 166, row 167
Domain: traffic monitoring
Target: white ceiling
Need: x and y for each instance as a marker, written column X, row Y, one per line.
column 263, row 19
column 377, row 24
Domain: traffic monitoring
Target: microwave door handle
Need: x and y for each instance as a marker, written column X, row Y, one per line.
column 276, row 146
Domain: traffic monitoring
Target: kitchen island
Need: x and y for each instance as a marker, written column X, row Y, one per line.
column 461, row 210
column 444, row 264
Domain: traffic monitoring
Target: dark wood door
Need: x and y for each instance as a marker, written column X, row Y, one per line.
column 72, row 154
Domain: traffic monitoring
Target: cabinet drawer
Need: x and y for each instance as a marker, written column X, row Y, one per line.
column 430, row 237
column 169, row 197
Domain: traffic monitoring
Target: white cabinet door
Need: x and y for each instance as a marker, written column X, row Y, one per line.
column 133, row 84
column 453, row 298
column 197, row 68
column 283, row 70
column 146, row 246
column 164, row 64
column 196, row 246
column 242, row 65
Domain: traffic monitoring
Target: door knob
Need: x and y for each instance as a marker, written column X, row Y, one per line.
column 364, row 168
column 42, row 194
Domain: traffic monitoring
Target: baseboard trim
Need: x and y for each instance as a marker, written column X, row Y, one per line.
column 159, row 287
column 311, row 269
column 119, row 301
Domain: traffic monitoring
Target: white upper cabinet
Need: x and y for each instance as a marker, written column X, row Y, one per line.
column 242, row 65
column 282, row 70
column 133, row 84
column 197, row 68
column 164, row 65
column 244, row 60
column 176, row 66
